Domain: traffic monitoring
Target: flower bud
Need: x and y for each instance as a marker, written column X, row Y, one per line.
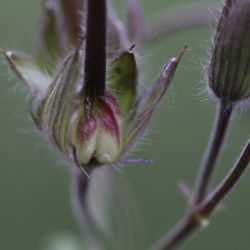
column 87, row 103
column 96, row 135
column 84, row 136
column 229, row 70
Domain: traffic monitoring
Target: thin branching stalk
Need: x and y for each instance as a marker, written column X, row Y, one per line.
column 212, row 153
column 200, row 214
column 223, row 189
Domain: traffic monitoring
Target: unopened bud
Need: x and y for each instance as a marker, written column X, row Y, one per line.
column 229, row 70
column 96, row 136
column 84, row 136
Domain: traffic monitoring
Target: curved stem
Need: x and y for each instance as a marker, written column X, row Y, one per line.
column 81, row 189
column 179, row 234
column 212, row 153
column 183, row 17
column 223, row 189
column 80, row 186
column 202, row 212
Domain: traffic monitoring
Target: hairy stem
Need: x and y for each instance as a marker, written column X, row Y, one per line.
column 223, row 189
column 197, row 215
column 96, row 43
column 214, row 147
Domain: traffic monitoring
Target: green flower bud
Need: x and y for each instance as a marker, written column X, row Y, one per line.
column 229, row 70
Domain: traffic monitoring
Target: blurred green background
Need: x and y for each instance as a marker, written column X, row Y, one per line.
column 34, row 181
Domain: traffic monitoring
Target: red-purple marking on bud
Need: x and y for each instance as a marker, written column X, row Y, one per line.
column 86, row 128
column 109, row 114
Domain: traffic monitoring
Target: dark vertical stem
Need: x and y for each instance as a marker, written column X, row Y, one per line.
column 214, row 147
column 96, row 43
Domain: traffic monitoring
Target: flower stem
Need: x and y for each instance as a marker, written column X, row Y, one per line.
column 214, row 147
column 195, row 217
column 96, row 43
column 223, row 189
column 81, row 189
column 80, row 186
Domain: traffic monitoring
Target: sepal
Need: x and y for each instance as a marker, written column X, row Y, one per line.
column 27, row 71
column 122, row 80
column 143, row 110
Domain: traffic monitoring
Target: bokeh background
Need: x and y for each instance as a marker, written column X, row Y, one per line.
column 34, row 181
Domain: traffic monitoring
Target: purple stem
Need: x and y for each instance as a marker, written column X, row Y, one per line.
column 193, row 219
column 80, row 186
column 96, row 43
column 81, row 189
column 213, row 151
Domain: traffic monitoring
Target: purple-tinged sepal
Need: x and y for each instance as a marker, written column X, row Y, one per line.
column 140, row 116
column 58, row 104
column 25, row 69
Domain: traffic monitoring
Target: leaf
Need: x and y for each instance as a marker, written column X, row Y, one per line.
column 122, row 80
column 27, row 71
column 145, row 105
